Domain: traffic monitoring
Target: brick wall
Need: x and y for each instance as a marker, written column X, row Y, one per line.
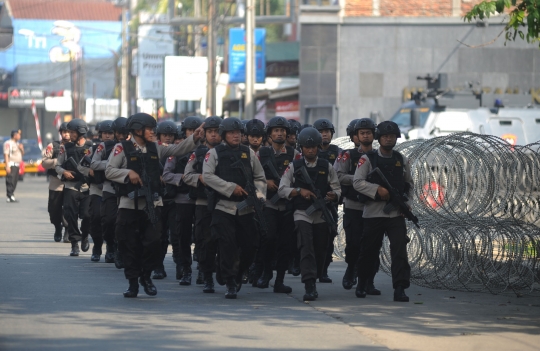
column 406, row 8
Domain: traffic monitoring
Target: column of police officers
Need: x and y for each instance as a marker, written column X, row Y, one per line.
column 255, row 200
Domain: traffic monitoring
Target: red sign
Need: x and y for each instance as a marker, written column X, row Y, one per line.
column 288, row 109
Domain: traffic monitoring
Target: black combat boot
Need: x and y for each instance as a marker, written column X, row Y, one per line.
column 256, row 274
column 348, row 280
column 324, row 278
column 371, row 289
column 208, row 283
column 149, row 287
column 133, row 288
column 109, row 253
column 399, row 294
column 57, row 233
column 159, row 274
column 200, row 278
column 74, row 248
column 311, row 290
column 279, row 287
column 66, row 236
column 231, row 289
column 85, row 244
column 118, row 261
column 186, row 277
column 361, row 289
column 264, row 280
column 96, row 254
column 179, row 272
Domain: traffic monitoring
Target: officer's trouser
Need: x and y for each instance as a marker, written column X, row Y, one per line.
column 76, row 205
column 167, row 217
column 185, row 216
column 208, row 244
column 139, row 242
column 108, row 212
column 54, row 206
column 374, row 230
column 312, row 241
column 95, row 223
column 11, row 181
column 237, row 239
column 277, row 243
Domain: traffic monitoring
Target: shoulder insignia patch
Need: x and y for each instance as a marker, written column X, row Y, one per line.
column 398, row 164
column 192, row 157
column 244, row 155
column 118, row 149
column 99, row 148
column 361, row 162
column 207, row 156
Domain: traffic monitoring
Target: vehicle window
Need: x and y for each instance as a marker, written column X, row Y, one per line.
column 403, row 117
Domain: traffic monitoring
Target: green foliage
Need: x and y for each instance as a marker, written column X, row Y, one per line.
column 524, row 17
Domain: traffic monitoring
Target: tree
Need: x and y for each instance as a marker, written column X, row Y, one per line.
column 524, row 17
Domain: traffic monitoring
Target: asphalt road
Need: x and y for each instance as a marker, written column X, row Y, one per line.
column 50, row 301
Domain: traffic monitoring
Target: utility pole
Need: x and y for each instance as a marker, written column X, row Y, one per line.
column 124, row 89
column 211, row 54
column 250, row 59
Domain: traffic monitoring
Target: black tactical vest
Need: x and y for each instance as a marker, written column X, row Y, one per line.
column 391, row 167
column 348, row 191
column 329, row 154
column 99, row 176
column 319, row 176
column 227, row 156
column 134, row 159
column 56, row 151
column 198, row 192
column 77, row 152
column 280, row 163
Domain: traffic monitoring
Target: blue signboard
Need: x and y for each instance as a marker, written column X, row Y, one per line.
column 41, row 41
column 237, row 55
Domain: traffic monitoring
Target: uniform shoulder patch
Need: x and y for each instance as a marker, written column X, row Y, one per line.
column 398, row 164
column 244, row 155
column 62, row 149
column 192, row 157
column 118, row 149
column 361, row 162
column 207, row 156
column 345, row 156
column 99, row 148
column 170, row 158
column 298, row 156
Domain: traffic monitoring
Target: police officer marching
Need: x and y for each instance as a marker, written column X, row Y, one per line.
column 361, row 131
column 378, row 222
column 134, row 166
column 184, row 210
column 255, row 131
column 234, row 172
column 329, row 152
column 313, row 231
column 166, row 135
column 74, row 176
column 56, row 187
column 278, row 241
column 205, row 242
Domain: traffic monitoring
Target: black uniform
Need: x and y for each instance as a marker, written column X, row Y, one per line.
column 56, row 188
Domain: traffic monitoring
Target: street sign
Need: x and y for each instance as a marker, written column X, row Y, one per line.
column 155, row 42
column 20, row 98
column 185, row 77
column 237, row 55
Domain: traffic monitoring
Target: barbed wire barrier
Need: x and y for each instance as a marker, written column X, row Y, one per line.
column 477, row 198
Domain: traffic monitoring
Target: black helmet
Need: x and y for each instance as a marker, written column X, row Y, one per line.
column 350, row 128
column 63, row 126
column 230, row 124
column 278, row 122
column 255, row 127
column 295, row 126
column 309, row 137
column 212, row 122
column 180, row 134
column 119, row 125
column 305, row 125
column 192, row 122
column 78, row 125
column 386, row 128
column 166, row 127
column 244, row 123
column 106, row 126
column 322, row 124
column 140, row 121
column 96, row 128
column 363, row 123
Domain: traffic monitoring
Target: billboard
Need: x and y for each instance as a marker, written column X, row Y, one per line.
column 237, row 55
column 185, row 77
column 45, row 41
column 155, row 43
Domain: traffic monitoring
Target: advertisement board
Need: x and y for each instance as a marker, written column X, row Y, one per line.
column 155, row 43
column 237, row 55
column 185, row 77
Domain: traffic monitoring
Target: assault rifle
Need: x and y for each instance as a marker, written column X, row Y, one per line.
column 396, row 199
column 146, row 191
column 252, row 199
column 319, row 204
column 79, row 177
column 276, row 177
